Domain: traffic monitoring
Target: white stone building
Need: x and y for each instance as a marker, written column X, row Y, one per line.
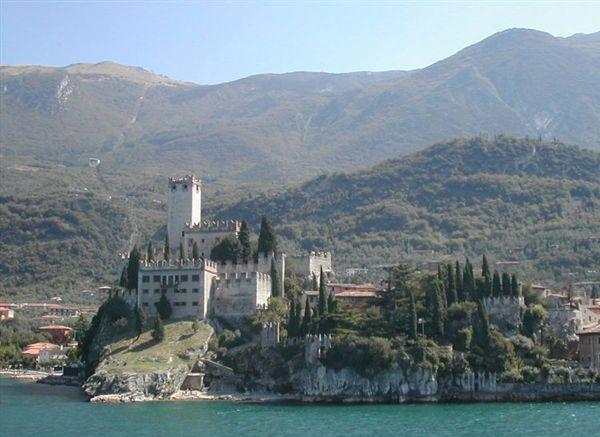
column 202, row 288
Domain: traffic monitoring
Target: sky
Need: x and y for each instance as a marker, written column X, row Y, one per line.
column 212, row 42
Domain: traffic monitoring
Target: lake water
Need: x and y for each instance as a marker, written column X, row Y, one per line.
column 28, row 409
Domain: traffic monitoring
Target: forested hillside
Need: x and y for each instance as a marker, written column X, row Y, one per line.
column 517, row 199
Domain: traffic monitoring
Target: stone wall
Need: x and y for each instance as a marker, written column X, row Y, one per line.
column 505, row 313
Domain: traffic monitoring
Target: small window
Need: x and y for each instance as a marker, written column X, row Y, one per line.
column 145, row 291
column 195, row 290
column 156, row 278
column 145, row 278
column 195, row 278
column 185, row 187
column 184, row 278
column 156, row 290
column 183, row 290
column 183, row 304
column 194, row 304
column 203, row 240
column 145, row 304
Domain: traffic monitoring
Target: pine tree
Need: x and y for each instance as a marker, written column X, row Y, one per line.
column 167, row 249
column 123, row 279
column 158, row 334
column 291, row 327
column 435, row 305
column 322, row 295
column 181, row 252
column 307, row 319
column 412, row 316
column 506, row 286
column 150, row 252
column 515, row 286
column 496, row 285
column 195, row 251
column 140, row 321
column 267, row 241
column 451, row 294
column 133, row 268
column 275, row 281
column 245, row 241
column 460, row 291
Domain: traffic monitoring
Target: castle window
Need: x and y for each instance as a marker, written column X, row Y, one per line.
column 183, row 304
column 197, row 188
column 145, row 278
column 185, row 187
column 182, row 233
column 173, row 187
column 195, row 278
column 184, row 278
column 183, row 290
column 145, row 304
column 156, row 278
column 203, row 240
column 145, row 291
column 156, row 290
column 194, row 304
column 195, row 290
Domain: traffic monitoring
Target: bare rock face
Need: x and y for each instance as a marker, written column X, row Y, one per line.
column 395, row 385
column 135, row 386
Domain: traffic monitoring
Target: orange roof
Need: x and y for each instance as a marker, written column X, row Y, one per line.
column 34, row 349
column 357, row 293
column 55, row 327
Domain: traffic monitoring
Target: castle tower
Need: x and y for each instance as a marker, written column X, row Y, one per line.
column 185, row 206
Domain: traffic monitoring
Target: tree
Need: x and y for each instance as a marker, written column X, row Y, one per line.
column 158, row 333
column 292, row 324
column 244, row 237
column 483, row 287
column 163, row 307
column 123, row 280
column 468, row 281
column 485, row 268
column 140, row 322
column 181, row 252
column 481, row 329
column 412, row 316
column 506, row 290
column 267, row 241
column 496, row 285
column 150, row 252
column 460, row 292
column 275, row 281
column 322, row 305
column 514, row 286
column 307, row 319
column 595, row 292
column 167, row 249
column 195, row 251
column 228, row 249
column 331, row 303
column 133, row 268
column 451, row 293
column 435, row 307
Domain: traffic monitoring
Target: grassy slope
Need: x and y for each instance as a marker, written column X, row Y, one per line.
column 144, row 355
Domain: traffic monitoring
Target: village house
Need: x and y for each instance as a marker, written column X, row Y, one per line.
column 589, row 347
column 6, row 313
column 61, row 335
column 43, row 353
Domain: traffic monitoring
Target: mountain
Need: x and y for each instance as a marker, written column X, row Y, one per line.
column 288, row 127
column 512, row 198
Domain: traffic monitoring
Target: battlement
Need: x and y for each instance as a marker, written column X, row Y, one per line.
column 234, row 279
column 320, row 254
column 263, row 264
column 187, row 179
column 186, row 264
column 214, row 226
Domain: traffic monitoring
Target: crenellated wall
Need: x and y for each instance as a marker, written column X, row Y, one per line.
column 238, row 295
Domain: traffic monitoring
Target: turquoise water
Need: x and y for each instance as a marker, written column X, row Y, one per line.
column 28, row 409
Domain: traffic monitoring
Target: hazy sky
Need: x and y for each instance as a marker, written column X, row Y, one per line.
column 209, row 42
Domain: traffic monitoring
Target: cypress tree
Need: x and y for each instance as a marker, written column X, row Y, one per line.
column 515, row 286
column 412, row 316
column 275, row 281
column 163, row 307
column 468, row 281
column 460, row 291
column 158, row 334
column 485, row 268
column 133, row 268
column 482, row 288
column 331, row 303
column 436, row 308
column 140, row 321
column 496, row 285
column 307, row 319
column 195, row 251
column 123, row 279
column 506, row 286
column 481, row 329
column 181, row 252
column 150, row 252
column 322, row 295
column 267, row 242
column 245, row 241
column 167, row 249
column 291, row 328
column 452, row 294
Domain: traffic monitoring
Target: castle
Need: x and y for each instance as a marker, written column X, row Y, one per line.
column 199, row 288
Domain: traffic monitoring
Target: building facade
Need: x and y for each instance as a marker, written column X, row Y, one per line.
column 589, row 347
